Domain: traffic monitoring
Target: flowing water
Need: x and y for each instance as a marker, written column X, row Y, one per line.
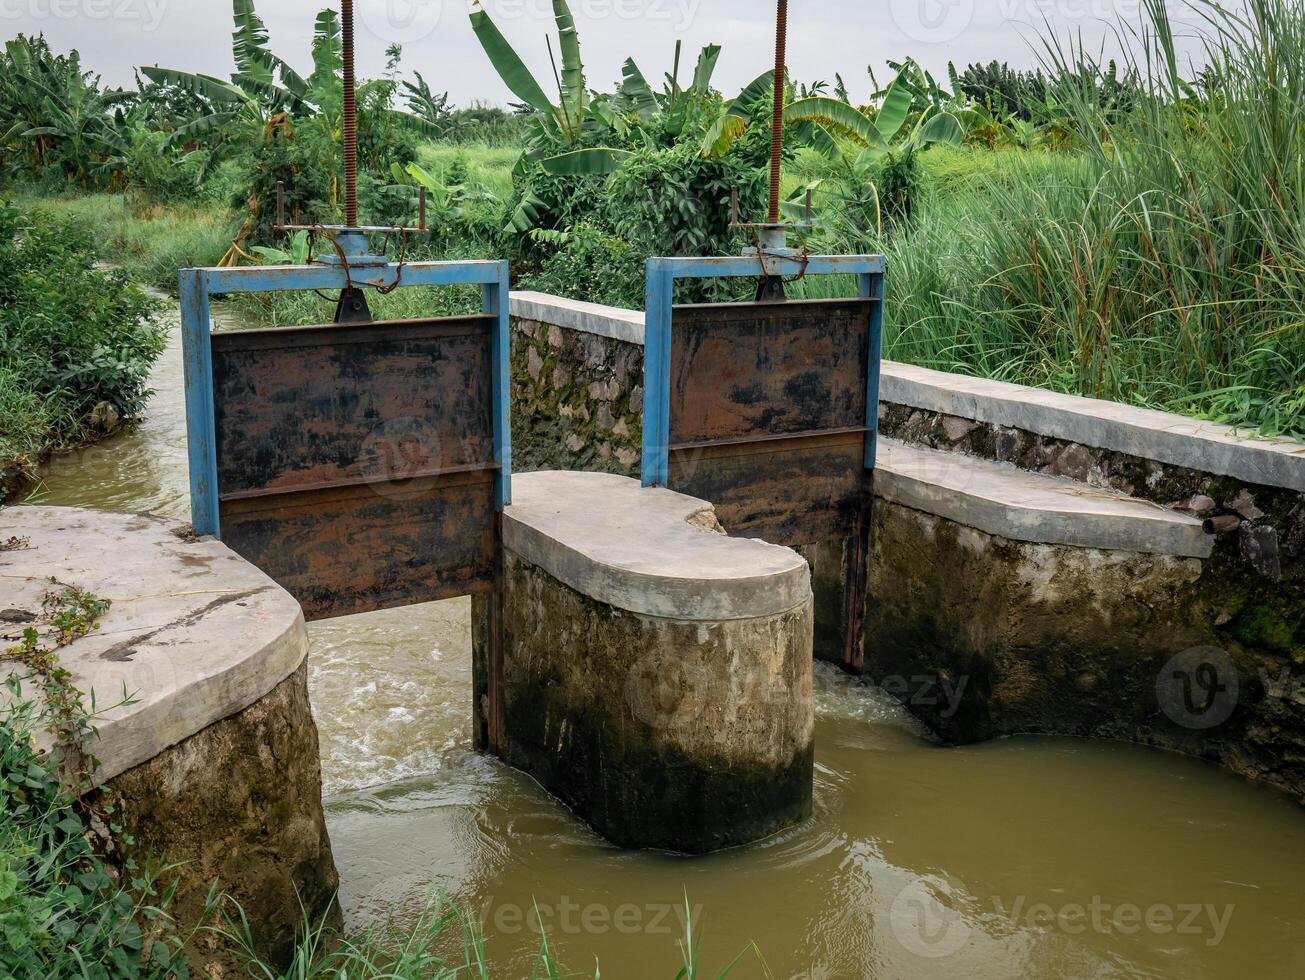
column 1031, row 857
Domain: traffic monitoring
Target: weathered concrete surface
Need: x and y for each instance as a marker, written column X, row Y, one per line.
column 195, row 633
column 649, row 551
column 982, row 636
column 656, row 673
column 240, row 803
column 1255, row 578
column 572, row 314
column 1001, row 499
column 215, row 766
column 1121, row 428
column 681, row 736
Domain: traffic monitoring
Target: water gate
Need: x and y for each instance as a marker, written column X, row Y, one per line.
column 367, row 465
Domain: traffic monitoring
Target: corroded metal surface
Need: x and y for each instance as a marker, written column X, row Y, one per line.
column 768, row 415
column 356, row 463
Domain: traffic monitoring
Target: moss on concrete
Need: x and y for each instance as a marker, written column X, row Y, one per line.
column 240, row 803
column 1048, row 639
column 682, row 736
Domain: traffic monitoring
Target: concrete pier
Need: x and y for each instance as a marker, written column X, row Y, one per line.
column 214, row 763
column 656, row 674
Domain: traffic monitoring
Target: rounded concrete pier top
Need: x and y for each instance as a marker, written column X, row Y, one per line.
column 648, row 550
column 195, row 634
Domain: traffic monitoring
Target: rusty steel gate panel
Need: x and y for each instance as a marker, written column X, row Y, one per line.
column 356, row 463
column 363, row 466
column 768, row 415
column 769, row 410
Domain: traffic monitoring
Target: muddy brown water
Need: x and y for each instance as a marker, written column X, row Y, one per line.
column 1030, row 857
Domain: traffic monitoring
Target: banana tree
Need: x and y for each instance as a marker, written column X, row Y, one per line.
column 53, row 107
column 251, row 106
column 561, row 122
column 909, row 120
column 265, row 96
column 887, row 130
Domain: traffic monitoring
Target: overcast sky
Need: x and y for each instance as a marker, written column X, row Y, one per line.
column 827, row 36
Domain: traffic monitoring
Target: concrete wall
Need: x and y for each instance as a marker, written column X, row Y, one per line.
column 1042, row 633
column 214, row 765
column 656, row 674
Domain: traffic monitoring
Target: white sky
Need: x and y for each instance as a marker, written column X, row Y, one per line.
column 826, row 36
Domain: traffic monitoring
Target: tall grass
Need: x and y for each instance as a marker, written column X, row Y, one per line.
column 442, row 942
column 1163, row 265
column 150, row 242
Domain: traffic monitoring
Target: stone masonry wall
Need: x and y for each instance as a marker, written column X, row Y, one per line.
column 577, row 400
column 1254, row 586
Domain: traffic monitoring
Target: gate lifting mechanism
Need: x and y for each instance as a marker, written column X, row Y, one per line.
column 770, row 409
column 362, row 465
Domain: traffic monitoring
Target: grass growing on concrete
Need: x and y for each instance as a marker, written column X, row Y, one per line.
column 61, row 912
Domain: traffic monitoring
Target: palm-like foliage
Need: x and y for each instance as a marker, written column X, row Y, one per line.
column 637, row 116
column 50, row 108
column 264, row 95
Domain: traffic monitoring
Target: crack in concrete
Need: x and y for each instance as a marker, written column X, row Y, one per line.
column 123, row 651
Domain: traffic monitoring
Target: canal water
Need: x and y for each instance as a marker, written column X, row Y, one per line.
column 1030, row 857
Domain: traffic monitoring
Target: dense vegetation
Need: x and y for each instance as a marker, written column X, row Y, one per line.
column 63, row 911
column 76, row 343
column 1131, row 231
column 1124, row 230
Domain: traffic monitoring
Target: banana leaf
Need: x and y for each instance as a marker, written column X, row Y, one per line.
column 635, row 87
column 594, row 161
column 896, row 107
column 832, row 113
column 508, row 63
column 941, row 128
column 205, row 86
column 573, row 93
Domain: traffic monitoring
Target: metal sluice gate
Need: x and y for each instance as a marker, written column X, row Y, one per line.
column 769, row 409
column 365, row 465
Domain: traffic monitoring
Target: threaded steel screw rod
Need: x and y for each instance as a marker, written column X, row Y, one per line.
column 777, row 134
column 350, row 118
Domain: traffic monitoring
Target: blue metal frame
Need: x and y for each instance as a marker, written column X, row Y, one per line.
column 660, row 305
column 198, row 285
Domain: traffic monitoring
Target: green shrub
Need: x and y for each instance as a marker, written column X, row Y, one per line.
column 592, row 266
column 71, row 336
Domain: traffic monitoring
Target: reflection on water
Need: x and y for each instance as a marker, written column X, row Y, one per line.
column 1020, row 858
